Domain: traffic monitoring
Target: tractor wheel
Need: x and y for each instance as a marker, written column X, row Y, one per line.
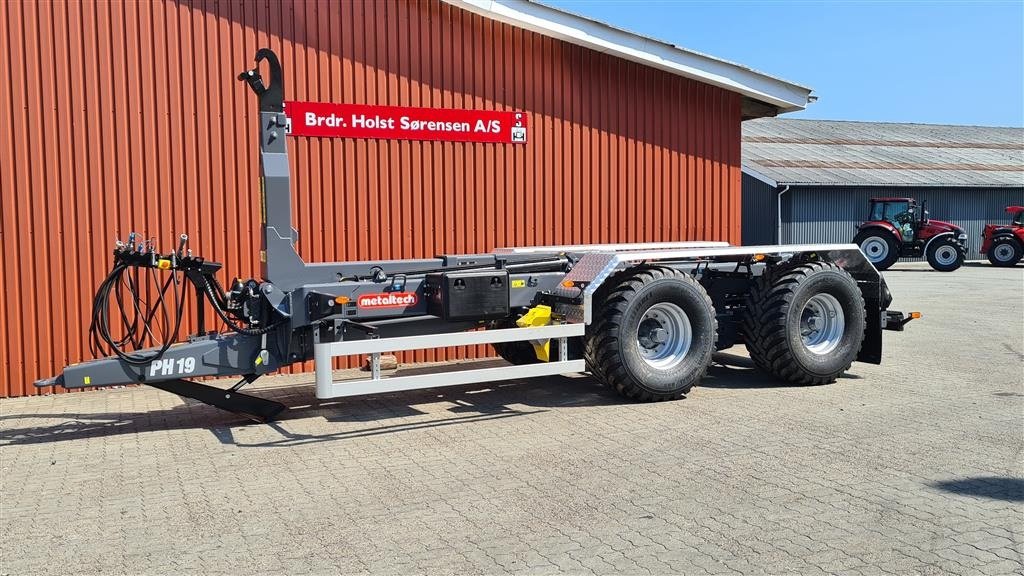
column 880, row 247
column 1005, row 251
column 945, row 254
column 804, row 323
column 654, row 334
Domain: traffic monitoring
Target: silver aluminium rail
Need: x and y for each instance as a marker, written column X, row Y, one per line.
column 612, row 247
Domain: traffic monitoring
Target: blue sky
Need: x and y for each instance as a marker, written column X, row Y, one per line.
column 933, row 62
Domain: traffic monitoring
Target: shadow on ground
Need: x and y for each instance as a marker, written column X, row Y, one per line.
column 470, row 403
column 383, row 413
column 734, row 372
column 972, row 264
column 994, row 487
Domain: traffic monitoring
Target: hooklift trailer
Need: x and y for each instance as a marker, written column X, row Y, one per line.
column 642, row 318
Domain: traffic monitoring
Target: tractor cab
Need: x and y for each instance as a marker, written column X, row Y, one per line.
column 1016, row 215
column 902, row 213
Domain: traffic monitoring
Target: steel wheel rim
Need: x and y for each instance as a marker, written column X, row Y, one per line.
column 945, row 255
column 875, row 248
column 1003, row 252
column 664, row 335
column 822, row 324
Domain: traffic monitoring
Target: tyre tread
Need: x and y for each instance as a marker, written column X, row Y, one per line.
column 764, row 323
column 1017, row 246
column 601, row 345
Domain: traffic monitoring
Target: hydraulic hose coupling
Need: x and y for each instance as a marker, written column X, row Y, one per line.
column 182, row 241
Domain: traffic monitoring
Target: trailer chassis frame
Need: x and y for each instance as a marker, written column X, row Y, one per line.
column 317, row 316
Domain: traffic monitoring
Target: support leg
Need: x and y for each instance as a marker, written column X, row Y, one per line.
column 257, row 409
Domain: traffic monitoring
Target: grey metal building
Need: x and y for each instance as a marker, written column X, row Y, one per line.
column 821, row 173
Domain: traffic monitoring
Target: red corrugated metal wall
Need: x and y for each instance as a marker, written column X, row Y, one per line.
column 123, row 116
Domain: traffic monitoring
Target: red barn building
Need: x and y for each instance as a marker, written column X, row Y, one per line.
column 125, row 116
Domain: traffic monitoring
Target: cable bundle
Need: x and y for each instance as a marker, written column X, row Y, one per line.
column 135, row 315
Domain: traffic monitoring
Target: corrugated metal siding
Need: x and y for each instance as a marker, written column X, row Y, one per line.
column 125, row 116
column 760, row 212
column 829, row 214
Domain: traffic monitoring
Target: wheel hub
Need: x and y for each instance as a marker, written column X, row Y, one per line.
column 876, row 249
column 945, row 255
column 822, row 324
column 651, row 333
column 664, row 335
column 1003, row 252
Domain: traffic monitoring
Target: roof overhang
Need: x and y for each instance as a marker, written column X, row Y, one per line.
column 758, row 176
column 764, row 95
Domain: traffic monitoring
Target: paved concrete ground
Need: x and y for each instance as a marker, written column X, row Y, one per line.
column 914, row 466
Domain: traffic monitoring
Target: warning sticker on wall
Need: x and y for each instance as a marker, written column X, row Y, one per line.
column 404, row 123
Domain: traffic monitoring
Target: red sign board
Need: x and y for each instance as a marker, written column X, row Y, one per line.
column 403, row 123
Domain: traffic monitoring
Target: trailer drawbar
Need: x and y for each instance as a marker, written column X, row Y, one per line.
column 642, row 318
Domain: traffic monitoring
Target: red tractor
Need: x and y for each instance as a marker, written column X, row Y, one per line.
column 1004, row 245
column 897, row 228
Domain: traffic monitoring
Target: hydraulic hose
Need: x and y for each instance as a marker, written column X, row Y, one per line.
column 136, row 323
column 208, row 289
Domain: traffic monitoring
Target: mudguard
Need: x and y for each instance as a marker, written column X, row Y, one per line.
column 887, row 226
column 943, row 235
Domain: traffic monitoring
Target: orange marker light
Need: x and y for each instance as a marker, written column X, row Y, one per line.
column 342, row 299
column 915, row 315
column 567, row 283
column 758, row 257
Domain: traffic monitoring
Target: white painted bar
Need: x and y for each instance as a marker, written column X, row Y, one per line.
column 323, row 352
column 441, row 379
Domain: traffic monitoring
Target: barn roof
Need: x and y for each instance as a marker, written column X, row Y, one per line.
column 829, row 152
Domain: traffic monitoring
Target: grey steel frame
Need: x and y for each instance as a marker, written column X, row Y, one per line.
column 591, row 271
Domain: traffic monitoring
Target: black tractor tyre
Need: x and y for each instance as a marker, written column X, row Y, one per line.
column 945, row 254
column 653, row 334
column 891, row 252
column 785, row 303
column 1005, row 251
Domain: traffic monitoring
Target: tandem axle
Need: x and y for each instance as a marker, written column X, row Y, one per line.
column 642, row 318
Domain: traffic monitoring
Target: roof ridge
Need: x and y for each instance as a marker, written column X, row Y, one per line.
column 822, row 120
